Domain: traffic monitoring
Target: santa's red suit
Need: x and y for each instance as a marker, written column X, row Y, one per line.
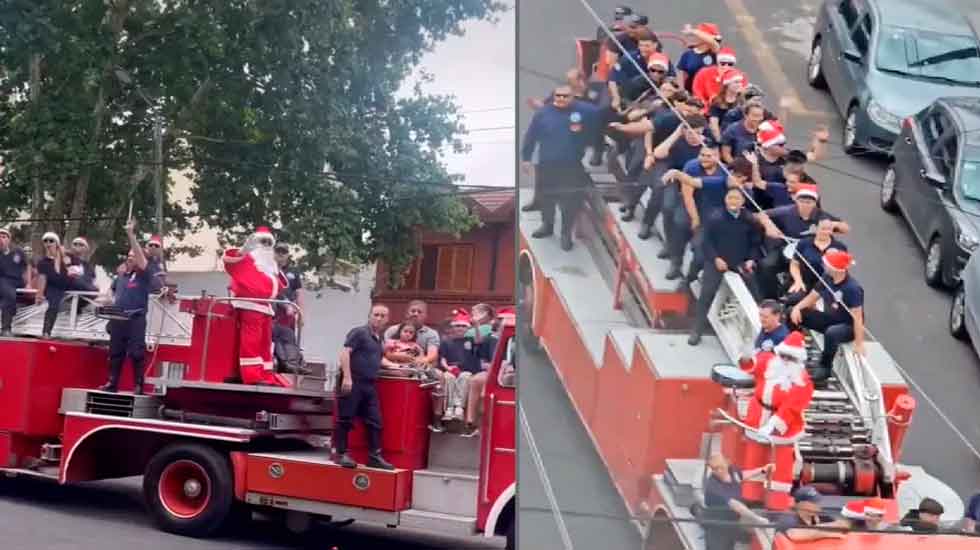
column 783, row 391
column 255, row 274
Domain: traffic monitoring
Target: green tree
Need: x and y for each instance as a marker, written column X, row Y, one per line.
column 284, row 111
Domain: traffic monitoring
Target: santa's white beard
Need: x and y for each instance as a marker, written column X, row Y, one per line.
column 265, row 260
column 787, row 372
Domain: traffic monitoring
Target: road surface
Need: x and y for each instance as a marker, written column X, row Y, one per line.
column 109, row 515
column 771, row 39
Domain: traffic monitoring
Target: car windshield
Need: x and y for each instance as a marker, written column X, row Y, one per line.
column 941, row 57
column 970, row 179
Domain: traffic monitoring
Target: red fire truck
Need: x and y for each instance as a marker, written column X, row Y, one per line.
column 615, row 330
column 211, row 451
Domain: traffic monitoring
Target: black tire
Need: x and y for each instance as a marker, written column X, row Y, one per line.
column 525, row 307
column 852, row 145
column 933, row 267
column 957, row 315
column 172, row 509
column 887, row 195
column 814, row 74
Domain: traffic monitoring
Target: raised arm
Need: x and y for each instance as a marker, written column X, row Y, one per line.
column 134, row 245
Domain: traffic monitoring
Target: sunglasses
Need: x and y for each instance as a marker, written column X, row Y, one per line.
column 153, row 245
column 562, row 96
column 49, row 241
column 78, row 244
column 657, row 71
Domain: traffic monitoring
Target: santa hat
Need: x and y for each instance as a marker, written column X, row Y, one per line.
column 5, row 231
column 50, row 235
column 859, row 509
column 726, row 55
column 793, row 346
column 770, row 134
column 808, row 190
column 838, row 260
column 731, row 76
column 460, row 318
column 506, row 312
column 155, row 239
column 658, row 60
column 263, row 232
column 81, row 240
column 710, row 29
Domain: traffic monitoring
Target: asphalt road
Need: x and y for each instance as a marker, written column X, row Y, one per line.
column 771, row 39
column 109, row 514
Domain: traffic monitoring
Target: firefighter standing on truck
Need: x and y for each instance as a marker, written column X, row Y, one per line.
column 127, row 338
column 13, row 265
column 360, row 361
column 560, row 132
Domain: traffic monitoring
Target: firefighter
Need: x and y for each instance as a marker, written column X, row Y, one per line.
column 59, row 273
column 154, row 255
column 360, row 361
column 127, row 338
column 783, row 390
column 13, row 270
column 560, row 131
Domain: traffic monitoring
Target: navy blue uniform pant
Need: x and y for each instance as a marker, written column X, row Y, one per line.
column 55, row 295
column 127, row 339
column 362, row 402
column 8, row 301
column 834, row 333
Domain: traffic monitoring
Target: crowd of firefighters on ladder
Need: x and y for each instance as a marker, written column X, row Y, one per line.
column 697, row 134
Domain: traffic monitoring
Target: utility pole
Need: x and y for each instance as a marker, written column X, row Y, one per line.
column 158, row 169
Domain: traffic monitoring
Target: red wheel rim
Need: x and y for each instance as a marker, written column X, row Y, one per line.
column 184, row 489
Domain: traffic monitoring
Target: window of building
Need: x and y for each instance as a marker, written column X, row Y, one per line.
column 443, row 268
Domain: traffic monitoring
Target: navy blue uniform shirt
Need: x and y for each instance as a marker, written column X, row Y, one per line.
column 664, row 124
column 735, row 239
column 12, row 266
column 736, row 115
column 787, row 219
column 682, row 152
column 560, row 134
column 738, row 138
column 132, row 290
column 813, row 255
column 766, row 341
column 848, row 291
column 691, row 62
column 718, row 493
column 365, row 355
column 711, row 195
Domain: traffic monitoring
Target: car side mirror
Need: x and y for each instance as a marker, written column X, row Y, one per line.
column 851, row 55
column 935, row 180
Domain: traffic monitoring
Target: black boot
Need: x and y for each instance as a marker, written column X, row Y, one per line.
column 695, row 338
column 664, row 253
column 566, row 242
column 346, row 461
column 646, row 232
column 50, row 316
column 674, row 273
column 115, row 366
column 543, row 231
column 375, row 460
column 630, row 214
column 7, row 322
column 138, row 377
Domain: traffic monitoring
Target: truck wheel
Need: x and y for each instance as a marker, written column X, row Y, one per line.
column 189, row 489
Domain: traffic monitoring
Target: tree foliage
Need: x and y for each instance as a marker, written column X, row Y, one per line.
column 284, row 111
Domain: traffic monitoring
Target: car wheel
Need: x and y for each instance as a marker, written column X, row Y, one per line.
column 814, row 70
column 934, row 263
column 957, row 314
column 888, row 190
column 850, row 138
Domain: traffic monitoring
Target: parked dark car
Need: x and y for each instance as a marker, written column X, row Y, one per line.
column 883, row 60
column 934, row 182
column 963, row 311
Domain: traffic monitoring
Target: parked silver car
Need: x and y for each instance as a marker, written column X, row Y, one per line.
column 965, row 307
column 882, row 65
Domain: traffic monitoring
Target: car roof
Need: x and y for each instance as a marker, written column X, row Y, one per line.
column 967, row 112
column 935, row 16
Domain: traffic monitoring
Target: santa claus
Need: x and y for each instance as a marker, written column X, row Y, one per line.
column 783, row 391
column 255, row 274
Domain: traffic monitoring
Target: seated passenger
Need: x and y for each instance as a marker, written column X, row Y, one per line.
column 404, row 351
column 807, row 514
column 925, row 518
column 866, row 514
column 842, row 318
column 723, row 502
column 447, row 404
column 773, row 330
column 807, row 267
column 482, row 345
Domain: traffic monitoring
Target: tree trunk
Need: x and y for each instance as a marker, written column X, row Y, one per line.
column 37, row 194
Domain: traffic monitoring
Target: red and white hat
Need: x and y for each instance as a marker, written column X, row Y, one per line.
column 732, row 76
column 506, row 312
column 5, row 231
column 82, row 240
column 838, row 260
column 770, row 134
column 794, row 346
column 460, row 318
column 51, row 236
column 859, row 509
column 263, row 232
column 808, row 190
column 726, row 55
column 156, row 239
column 658, row 61
column 710, row 29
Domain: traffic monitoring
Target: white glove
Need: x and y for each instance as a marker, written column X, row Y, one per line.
column 767, row 428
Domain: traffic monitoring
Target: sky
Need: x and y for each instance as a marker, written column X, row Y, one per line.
column 479, row 68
